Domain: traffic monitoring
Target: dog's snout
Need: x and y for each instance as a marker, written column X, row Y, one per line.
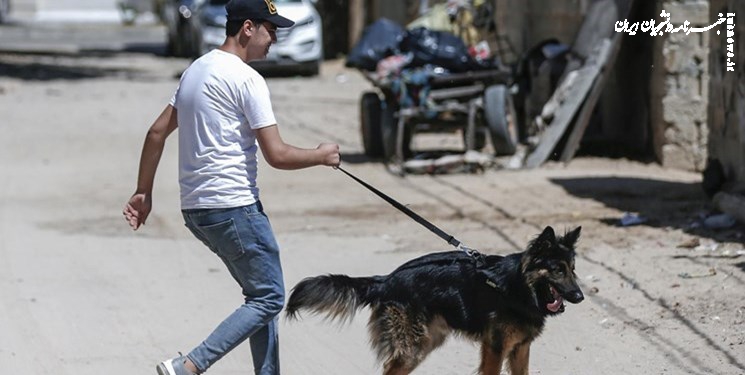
column 575, row 296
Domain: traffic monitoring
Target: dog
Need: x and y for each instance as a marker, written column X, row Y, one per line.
column 500, row 301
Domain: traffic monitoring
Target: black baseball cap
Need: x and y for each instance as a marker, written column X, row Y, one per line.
column 263, row 10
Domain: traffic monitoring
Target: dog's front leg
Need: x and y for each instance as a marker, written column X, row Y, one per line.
column 519, row 359
column 491, row 360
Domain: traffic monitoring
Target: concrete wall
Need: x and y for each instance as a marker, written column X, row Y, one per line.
column 727, row 95
column 510, row 19
column 559, row 19
column 401, row 11
column 680, row 86
column 525, row 23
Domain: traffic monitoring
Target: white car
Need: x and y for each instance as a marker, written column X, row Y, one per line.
column 299, row 46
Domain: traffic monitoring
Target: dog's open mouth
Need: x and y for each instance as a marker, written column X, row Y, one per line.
column 558, row 303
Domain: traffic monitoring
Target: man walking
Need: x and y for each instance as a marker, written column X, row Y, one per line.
column 222, row 109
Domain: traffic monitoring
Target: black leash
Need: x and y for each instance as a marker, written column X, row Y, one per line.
column 439, row 232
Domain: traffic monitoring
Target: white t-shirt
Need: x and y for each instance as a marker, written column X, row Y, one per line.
column 220, row 101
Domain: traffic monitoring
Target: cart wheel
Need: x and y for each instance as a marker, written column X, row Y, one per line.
column 389, row 125
column 370, row 125
column 480, row 141
column 501, row 119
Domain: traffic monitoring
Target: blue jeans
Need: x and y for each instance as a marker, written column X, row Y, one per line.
column 242, row 237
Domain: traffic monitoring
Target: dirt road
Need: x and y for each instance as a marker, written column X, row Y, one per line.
column 82, row 294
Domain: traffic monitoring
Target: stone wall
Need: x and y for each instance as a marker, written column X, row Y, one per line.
column 680, row 86
column 727, row 95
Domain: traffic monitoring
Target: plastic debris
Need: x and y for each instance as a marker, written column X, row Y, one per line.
column 341, row 78
column 686, row 275
column 721, row 221
column 630, row 219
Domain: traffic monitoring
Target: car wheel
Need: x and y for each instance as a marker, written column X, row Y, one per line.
column 171, row 48
column 311, row 69
column 500, row 119
column 189, row 44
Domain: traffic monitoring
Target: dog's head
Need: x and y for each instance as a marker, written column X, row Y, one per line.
column 548, row 268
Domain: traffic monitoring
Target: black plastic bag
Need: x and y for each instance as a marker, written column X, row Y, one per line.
column 440, row 48
column 379, row 40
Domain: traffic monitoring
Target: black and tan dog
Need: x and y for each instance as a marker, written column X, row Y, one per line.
column 500, row 301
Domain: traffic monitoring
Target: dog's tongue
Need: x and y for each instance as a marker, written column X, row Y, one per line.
column 556, row 305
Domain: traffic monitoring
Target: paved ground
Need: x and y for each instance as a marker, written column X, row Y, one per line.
column 82, row 294
column 75, row 38
column 77, row 11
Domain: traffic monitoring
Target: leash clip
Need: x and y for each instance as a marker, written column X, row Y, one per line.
column 471, row 252
column 478, row 258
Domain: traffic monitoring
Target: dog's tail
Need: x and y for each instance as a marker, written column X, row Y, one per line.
column 336, row 296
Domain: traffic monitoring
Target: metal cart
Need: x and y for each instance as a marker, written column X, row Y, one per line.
column 476, row 103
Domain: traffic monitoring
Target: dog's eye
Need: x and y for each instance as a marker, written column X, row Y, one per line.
column 557, row 268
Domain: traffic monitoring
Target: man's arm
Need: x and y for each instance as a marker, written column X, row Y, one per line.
column 281, row 155
column 139, row 205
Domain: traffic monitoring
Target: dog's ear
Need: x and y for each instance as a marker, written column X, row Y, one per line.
column 548, row 235
column 570, row 239
column 544, row 242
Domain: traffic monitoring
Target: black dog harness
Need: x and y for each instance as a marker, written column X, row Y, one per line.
column 477, row 257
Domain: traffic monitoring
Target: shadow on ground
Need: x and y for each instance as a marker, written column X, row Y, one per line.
column 74, row 65
column 664, row 204
column 36, row 71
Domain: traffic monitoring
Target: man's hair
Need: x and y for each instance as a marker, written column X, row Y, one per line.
column 232, row 27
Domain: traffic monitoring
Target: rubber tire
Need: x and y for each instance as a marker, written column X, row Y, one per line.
column 389, row 125
column 480, row 136
column 312, row 68
column 370, row 125
column 503, row 131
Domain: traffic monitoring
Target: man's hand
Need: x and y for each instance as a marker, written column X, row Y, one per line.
column 137, row 209
column 331, row 158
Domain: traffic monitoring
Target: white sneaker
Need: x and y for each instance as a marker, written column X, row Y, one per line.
column 174, row 366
